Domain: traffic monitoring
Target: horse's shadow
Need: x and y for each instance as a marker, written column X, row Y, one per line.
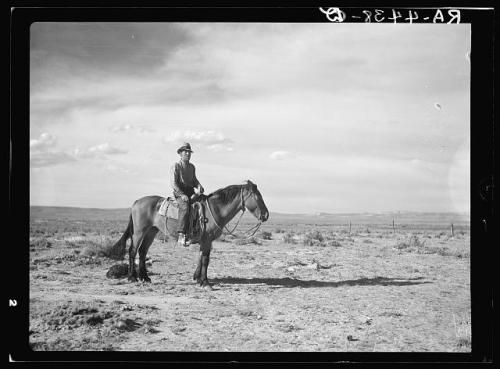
column 294, row 282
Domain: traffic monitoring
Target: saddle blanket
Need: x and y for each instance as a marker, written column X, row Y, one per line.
column 169, row 208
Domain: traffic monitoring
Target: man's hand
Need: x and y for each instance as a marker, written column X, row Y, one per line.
column 201, row 189
column 184, row 198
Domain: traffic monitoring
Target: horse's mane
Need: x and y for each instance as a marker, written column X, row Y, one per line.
column 227, row 194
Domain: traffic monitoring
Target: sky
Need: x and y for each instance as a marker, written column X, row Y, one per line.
column 322, row 117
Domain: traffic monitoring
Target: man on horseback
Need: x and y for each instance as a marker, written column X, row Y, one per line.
column 184, row 184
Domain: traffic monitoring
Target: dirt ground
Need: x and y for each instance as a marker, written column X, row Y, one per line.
column 371, row 291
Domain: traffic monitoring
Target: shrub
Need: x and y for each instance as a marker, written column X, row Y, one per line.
column 441, row 234
column 247, row 241
column 315, row 235
column 265, row 235
column 332, row 243
column 161, row 236
column 462, row 332
column 412, row 242
column 93, row 249
column 288, row 237
column 40, row 243
column 313, row 238
column 330, row 235
column 223, row 238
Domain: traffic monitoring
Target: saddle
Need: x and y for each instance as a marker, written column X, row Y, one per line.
column 169, row 208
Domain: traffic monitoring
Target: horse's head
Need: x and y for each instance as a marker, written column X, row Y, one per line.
column 252, row 200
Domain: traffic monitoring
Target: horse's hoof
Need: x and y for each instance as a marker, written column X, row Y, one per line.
column 145, row 279
column 206, row 285
column 132, row 279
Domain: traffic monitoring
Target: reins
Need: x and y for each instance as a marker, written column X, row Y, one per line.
column 243, row 209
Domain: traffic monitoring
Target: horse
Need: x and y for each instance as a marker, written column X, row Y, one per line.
column 223, row 205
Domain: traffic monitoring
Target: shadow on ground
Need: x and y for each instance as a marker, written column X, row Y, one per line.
column 293, row 282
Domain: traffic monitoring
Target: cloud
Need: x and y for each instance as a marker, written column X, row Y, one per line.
column 98, row 151
column 118, row 169
column 281, row 155
column 212, row 140
column 130, row 127
column 49, row 158
column 145, row 129
column 219, row 147
column 121, row 128
column 46, row 141
column 43, row 152
column 102, row 48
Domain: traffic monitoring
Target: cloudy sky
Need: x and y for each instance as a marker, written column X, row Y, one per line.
column 323, row 117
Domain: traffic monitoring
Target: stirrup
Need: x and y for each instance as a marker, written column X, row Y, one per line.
column 182, row 240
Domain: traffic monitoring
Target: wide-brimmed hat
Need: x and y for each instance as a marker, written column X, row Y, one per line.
column 185, row 147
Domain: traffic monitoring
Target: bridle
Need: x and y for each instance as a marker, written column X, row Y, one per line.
column 243, row 209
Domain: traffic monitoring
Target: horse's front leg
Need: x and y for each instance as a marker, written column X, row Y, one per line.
column 200, row 273
column 197, row 272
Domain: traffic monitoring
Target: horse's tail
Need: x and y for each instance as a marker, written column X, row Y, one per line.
column 117, row 251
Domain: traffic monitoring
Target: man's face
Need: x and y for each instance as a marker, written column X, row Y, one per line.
column 185, row 155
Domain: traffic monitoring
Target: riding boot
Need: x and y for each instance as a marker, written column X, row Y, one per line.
column 182, row 240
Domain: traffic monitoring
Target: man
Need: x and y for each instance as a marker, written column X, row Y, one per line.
column 185, row 184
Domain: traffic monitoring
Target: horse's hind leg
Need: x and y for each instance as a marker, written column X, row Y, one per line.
column 132, row 252
column 143, row 250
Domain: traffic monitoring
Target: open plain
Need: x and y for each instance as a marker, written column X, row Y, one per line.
column 302, row 283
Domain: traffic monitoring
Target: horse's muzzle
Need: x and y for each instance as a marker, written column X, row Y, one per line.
column 264, row 216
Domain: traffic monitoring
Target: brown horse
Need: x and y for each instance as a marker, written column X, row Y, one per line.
column 223, row 205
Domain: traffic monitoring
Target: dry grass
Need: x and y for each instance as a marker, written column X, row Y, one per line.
column 371, row 290
column 247, row 241
column 414, row 244
column 463, row 332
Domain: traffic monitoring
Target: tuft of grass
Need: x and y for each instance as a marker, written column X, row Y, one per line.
column 414, row 244
column 411, row 244
column 313, row 238
column 248, row 241
column 288, row 237
column 441, row 234
column 444, row 251
column 332, row 243
column 94, row 249
column 266, row 235
column 40, row 243
column 463, row 333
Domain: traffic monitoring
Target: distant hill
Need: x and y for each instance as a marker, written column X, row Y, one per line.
column 73, row 213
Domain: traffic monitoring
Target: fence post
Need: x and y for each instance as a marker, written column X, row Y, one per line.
column 452, row 233
column 349, row 227
column 393, row 230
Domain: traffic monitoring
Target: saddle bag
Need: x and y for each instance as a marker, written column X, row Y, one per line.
column 169, row 208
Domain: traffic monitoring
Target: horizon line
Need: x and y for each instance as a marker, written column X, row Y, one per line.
column 318, row 213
